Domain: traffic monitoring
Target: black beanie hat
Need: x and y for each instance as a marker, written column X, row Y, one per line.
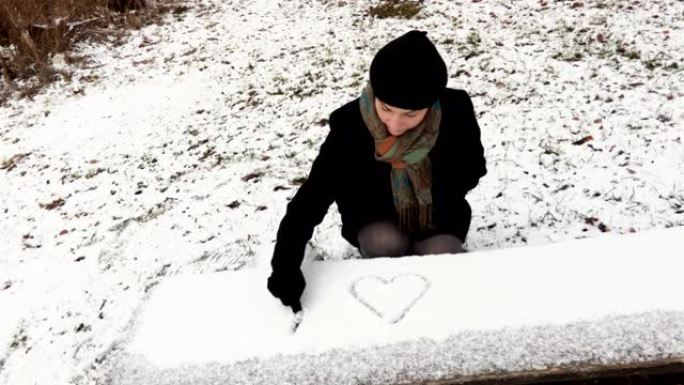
column 408, row 72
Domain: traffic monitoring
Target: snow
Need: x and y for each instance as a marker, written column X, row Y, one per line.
column 9, row 323
column 149, row 149
column 120, row 115
column 482, row 307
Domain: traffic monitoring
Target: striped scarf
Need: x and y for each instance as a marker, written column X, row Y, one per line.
column 411, row 174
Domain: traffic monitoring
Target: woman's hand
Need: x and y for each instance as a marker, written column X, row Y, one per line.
column 288, row 286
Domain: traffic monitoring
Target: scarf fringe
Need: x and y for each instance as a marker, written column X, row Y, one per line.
column 407, row 218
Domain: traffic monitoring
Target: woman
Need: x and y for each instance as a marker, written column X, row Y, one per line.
column 398, row 161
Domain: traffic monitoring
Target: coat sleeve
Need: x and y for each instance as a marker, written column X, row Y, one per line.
column 467, row 167
column 470, row 160
column 309, row 205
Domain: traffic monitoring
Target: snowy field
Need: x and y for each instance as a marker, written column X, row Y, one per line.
column 175, row 153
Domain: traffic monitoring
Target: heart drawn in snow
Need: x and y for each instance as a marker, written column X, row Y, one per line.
column 390, row 299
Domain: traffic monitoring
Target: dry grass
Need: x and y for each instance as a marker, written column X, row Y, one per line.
column 31, row 31
column 400, row 9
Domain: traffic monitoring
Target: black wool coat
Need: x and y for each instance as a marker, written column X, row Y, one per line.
column 346, row 171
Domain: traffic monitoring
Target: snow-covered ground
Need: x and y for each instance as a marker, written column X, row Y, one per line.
column 176, row 152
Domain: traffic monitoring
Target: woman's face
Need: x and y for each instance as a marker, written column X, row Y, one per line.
column 398, row 120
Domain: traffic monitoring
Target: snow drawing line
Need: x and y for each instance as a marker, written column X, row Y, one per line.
column 390, row 299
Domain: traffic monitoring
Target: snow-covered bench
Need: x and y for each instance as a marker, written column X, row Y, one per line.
column 602, row 304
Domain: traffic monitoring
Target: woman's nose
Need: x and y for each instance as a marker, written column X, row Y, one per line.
column 393, row 123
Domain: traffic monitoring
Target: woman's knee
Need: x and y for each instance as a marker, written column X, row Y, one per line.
column 382, row 239
column 439, row 244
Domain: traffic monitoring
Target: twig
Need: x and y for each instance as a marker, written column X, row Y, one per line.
column 6, row 74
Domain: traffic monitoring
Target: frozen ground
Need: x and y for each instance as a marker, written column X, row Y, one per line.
column 176, row 152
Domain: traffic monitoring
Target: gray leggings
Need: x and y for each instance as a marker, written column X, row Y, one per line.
column 384, row 239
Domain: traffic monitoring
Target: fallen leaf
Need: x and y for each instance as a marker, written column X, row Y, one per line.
column 52, row 205
column 583, row 140
column 250, row 176
column 298, row 181
column 590, row 220
column 82, row 328
column 11, row 163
